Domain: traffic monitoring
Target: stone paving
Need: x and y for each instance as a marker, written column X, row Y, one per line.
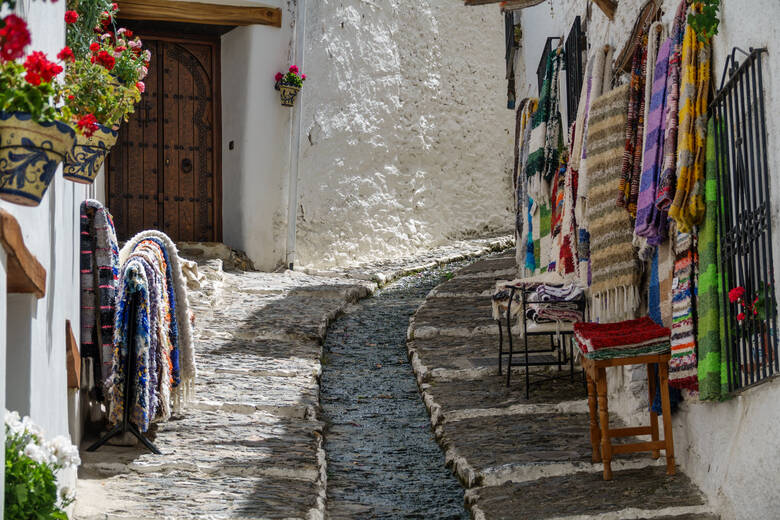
column 523, row 458
column 251, row 444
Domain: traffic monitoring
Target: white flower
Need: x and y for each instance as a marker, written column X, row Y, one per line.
column 37, row 454
column 32, row 428
column 63, row 452
column 66, row 493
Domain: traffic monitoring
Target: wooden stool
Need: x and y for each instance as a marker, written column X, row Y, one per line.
column 601, row 434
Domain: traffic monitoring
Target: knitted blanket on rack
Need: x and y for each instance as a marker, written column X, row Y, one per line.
column 650, row 221
column 546, row 138
column 682, row 366
column 712, row 369
column 630, row 335
column 133, row 283
column 628, row 189
column 687, row 207
column 99, row 276
column 667, row 180
column 520, row 180
column 615, row 269
column 185, row 391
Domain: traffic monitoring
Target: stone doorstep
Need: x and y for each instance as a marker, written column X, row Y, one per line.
column 637, row 493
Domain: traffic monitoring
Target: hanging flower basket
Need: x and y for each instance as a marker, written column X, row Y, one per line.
column 289, row 85
column 288, row 94
column 84, row 160
column 30, row 153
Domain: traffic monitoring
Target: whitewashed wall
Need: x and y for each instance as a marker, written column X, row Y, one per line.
column 407, row 141
column 731, row 450
column 35, row 377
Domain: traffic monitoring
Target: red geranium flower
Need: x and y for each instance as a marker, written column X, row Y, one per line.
column 303, row 77
column 294, row 69
column 121, row 48
column 106, row 59
column 128, row 33
column 140, row 86
column 66, row 54
column 14, row 37
column 71, row 17
column 278, row 77
column 114, row 7
column 105, row 19
column 94, row 46
column 736, row 293
column 39, row 68
column 88, row 125
column 741, row 316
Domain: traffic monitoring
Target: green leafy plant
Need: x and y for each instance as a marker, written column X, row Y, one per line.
column 105, row 78
column 30, row 86
column 704, row 19
column 31, row 466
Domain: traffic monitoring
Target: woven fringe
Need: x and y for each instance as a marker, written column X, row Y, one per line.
column 618, row 304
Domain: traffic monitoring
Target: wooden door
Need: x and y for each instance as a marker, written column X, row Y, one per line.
column 164, row 172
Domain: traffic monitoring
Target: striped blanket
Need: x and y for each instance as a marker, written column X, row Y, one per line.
column 99, row 276
column 615, row 269
column 623, row 339
column 682, row 366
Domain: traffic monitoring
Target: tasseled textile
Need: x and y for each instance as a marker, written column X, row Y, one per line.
column 184, row 391
column 133, row 283
column 687, row 207
column 99, row 274
column 713, row 366
column 667, row 180
column 651, row 223
column 520, row 181
column 628, row 190
column 615, row 268
column 682, row 366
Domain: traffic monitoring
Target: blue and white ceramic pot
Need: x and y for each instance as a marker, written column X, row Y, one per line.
column 30, row 153
column 88, row 154
column 288, row 93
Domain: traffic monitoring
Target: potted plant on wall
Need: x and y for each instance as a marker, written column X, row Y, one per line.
column 33, row 137
column 289, row 85
column 104, row 82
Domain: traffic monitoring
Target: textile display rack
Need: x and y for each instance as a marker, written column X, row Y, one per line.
column 125, row 424
column 560, row 334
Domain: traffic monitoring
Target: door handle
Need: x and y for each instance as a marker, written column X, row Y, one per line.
column 186, row 165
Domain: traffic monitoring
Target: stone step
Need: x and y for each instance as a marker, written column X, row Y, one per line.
column 640, row 493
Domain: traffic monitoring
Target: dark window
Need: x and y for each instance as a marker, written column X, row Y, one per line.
column 744, row 220
column 575, row 46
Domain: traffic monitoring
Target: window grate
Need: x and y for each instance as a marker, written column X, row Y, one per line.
column 744, row 219
column 575, row 45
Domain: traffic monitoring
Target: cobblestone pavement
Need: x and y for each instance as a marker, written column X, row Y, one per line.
column 251, row 444
column 523, row 458
column 383, row 461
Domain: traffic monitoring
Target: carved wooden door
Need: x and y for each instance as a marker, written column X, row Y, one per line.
column 164, row 172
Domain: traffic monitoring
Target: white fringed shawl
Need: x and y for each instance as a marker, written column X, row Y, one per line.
column 185, row 392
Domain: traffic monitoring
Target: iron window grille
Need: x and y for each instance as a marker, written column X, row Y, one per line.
column 574, row 47
column 745, row 219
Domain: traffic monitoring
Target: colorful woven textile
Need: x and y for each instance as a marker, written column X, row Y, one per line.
column 644, row 350
column 556, row 216
column 520, row 181
column 667, row 180
column 546, row 138
column 615, row 269
column 650, row 221
column 628, row 189
column 630, row 334
column 687, row 207
column 184, row 391
column 682, row 366
column 133, row 283
column 99, row 275
column 712, row 369
column 666, row 276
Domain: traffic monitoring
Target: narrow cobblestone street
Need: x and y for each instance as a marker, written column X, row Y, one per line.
column 378, row 437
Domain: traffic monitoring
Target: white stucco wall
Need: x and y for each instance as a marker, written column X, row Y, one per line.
column 731, row 449
column 406, row 137
column 254, row 173
column 36, row 379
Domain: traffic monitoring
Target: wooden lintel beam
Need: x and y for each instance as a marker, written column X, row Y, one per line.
column 25, row 272
column 197, row 12
column 508, row 5
column 608, row 6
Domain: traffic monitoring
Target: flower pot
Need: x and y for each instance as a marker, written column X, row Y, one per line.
column 288, row 93
column 30, row 153
column 84, row 160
